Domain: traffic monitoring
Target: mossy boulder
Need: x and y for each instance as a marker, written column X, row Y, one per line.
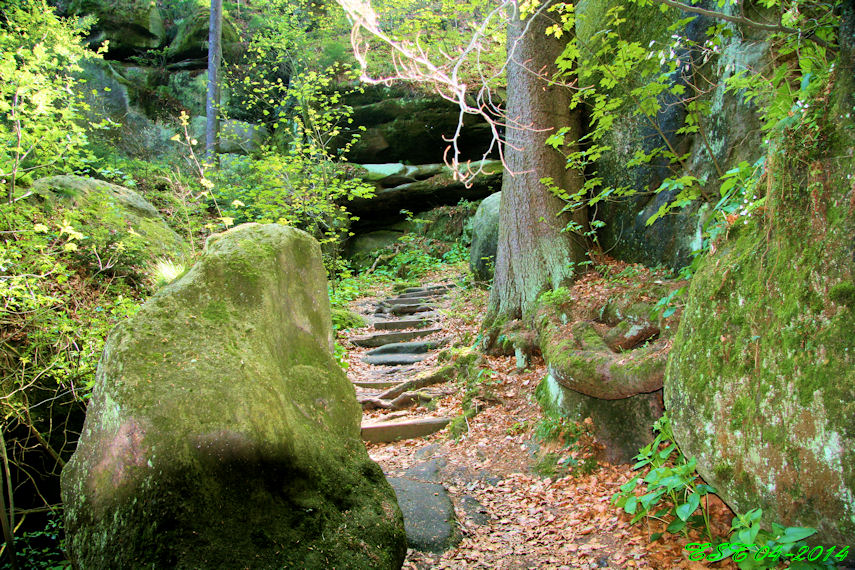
column 624, row 425
column 606, row 360
column 221, row 432
column 760, row 385
column 485, row 238
column 728, row 134
column 131, row 26
column 422, row 188
column 122, row 233
column 190, row 44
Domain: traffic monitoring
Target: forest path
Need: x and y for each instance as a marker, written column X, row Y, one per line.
column 486, row 490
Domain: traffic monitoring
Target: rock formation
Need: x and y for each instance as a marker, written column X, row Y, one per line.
column 221, row 432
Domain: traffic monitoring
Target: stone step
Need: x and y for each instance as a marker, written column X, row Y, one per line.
column 409, row 309
column 429, row 518
column 393, row 359
column 416, row 294
column 376, row 384
column 407, row 301
column 442, row 287
column 403, row 324
column 388, row 431
column 381, row 339
column 415, row 347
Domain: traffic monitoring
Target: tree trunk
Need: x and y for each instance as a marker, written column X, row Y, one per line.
column 215, row 29
column 533, row 254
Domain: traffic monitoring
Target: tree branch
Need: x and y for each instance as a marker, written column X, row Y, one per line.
column 774, row 28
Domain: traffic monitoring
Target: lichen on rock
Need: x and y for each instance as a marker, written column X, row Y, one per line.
column 761, row 381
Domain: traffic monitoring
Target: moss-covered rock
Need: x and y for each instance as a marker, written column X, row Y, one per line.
column 422, row 188
column 130, row 26
column 122, row 232
column 606, row 360
column 728, row 134
column 191, row 38
column 485, row 238
column 760, row 385
column 624, row 426
column 221, row 432
column 412, row 129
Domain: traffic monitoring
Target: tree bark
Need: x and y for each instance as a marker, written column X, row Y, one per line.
column 215, row 54
column 533, row 254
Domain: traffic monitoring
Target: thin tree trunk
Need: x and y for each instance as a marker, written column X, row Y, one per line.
column 533, row 254
column 213, row 100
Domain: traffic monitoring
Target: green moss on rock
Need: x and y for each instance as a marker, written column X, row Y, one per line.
column 221, row 430
column 761, row 378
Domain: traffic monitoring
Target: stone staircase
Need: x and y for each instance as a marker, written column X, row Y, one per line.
column 396, row 382
column 406, row 332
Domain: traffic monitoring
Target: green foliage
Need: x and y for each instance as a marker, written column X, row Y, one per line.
column 753, row 547
column 673, row 490
column 628, row 79
column 42, row 549
column 412, row 256
column 673, row 494
column 41, row 114
column 57, row 311
column 477, row 387
column 344, row 319
column 450, row 25
column 574, row 454
column 304, row 185
column 556, row 297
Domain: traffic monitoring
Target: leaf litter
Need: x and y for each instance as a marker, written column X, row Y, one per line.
column 523, row 519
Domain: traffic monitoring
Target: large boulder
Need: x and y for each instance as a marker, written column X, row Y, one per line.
column 419, row 189
column 122, row 233
column 760, row 384
column 189, row 48
column 485, row 238
column 414, row 129
column 728, row 134
column 221, row 432
column 130, row 26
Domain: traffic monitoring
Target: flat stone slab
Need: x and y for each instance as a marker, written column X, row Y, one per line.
column 444, row 287
column 380, row 339
column 416, row 347
column 428, row 514
column 403, row 324
column 423, row 293
column 388, row 431
column 393, row 359
column 409, row 309
column 378, row 384
column 408, row 300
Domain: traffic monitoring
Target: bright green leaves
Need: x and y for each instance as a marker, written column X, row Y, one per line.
column 302, row 182
column 671, row 479
column 41, row 114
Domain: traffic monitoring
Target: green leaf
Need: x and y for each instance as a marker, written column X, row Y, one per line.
column 685, row 510
column 631, row 505
column 795, row 534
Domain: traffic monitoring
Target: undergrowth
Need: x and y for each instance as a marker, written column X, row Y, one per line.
column 674, row 495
